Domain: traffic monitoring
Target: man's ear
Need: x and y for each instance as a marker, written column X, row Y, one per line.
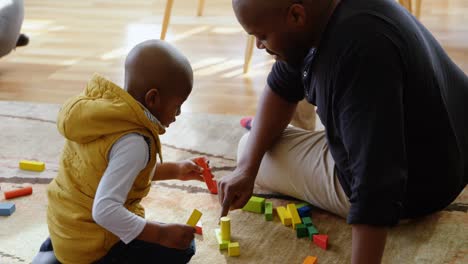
column 296, row 15
column 153, row 98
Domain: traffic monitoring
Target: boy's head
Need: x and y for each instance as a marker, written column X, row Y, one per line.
column 159, row 77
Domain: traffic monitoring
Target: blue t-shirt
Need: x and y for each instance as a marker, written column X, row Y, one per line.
column 393, row 105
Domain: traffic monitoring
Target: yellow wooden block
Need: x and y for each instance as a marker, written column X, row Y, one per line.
column 294, row 215
column 31, row 165
column 226, row 228
column 223, row 244
column 193, row 219
column 284, row 215
column 233, row 249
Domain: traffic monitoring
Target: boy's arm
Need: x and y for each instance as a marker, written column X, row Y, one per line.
column 368, row 244
column 169, row 235
column 128, row 156
column 183, row 170
column 166, row 171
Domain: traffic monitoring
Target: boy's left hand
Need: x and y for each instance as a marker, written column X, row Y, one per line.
column 189, row 170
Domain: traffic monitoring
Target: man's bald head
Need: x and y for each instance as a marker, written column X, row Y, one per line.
column 154, row 64
column 287, row 29
column 248, row 10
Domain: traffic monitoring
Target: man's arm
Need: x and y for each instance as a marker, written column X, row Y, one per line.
column 368, row 244
column 272, row 117
column 370, row 114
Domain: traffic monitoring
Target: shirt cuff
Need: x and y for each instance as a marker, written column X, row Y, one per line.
column 140, row 224
column 380, row 213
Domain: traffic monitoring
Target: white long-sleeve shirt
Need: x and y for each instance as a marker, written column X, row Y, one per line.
column 129, row 155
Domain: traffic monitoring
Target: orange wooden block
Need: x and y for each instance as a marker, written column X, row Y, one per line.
column 310, row 260
column 207, row 175
column 19, row 192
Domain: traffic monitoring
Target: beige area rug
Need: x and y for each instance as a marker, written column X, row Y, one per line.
column 28, row 132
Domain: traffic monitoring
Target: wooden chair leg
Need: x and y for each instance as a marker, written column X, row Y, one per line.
column 248, row 52
column 417, row 9
column 406, row 4
column 201, row 5
column 167, row 18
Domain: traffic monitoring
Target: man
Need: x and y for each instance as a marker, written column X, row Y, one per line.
column 392, row 103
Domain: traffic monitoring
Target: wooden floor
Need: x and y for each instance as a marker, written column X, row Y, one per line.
column 72, row 39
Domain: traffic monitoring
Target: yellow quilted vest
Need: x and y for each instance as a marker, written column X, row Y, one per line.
column 91, row 123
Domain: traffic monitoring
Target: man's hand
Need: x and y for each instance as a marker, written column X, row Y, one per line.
column 272, row 117
column 235, row 190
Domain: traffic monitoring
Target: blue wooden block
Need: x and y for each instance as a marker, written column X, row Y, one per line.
column 304, row 211
column 6, row 209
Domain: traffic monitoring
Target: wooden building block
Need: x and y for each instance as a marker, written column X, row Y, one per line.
column 18, row 192
column 310, row 260
column 226, row 228
column 299, row 205
column 284, row 215
column 312, row 231
column 199, row 230
column 301, row 230
column 294, row 215
column 268, row 211
column 207, row 175
column 307, row 221
column 7, row 209
column 32, row 165
column 321, row 241
column 255, row 205
column 233, row 249
column 223, row 244
column 304, row 211
column 193, row 219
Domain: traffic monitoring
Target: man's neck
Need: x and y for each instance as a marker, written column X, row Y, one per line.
column 328, row 10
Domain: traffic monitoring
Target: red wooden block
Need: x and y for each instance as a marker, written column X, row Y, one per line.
column 199, row 230
column 321, row 241
column 18, row 192
column 207, row 175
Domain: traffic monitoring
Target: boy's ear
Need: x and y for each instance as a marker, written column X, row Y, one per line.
column 153, row 98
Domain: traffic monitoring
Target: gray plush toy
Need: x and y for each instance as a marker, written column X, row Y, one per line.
column 11, row 19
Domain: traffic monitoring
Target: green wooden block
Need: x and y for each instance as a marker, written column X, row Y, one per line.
column 307, row 221
column 268, row 211
column 223, row 244
column 255, row 205
column 301, row 230
column 312, row 231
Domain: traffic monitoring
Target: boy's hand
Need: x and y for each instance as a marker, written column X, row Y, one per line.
column 189, row 170
column 176, row 236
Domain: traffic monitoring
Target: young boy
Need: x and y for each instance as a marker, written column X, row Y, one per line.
column 109, row 160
